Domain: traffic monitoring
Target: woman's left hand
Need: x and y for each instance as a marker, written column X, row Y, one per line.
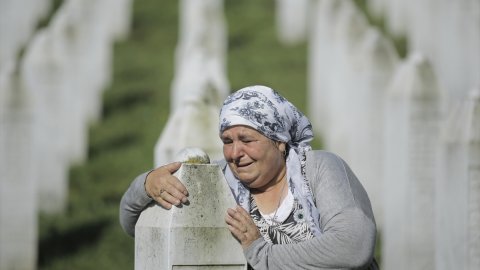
column 241, row 225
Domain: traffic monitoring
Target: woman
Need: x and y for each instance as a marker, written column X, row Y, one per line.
column 298, row 208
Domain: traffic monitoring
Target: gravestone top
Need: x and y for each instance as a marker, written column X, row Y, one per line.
column 192, row 155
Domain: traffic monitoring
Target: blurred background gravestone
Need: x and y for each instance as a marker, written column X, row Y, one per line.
column 411, row 141
column 200, row 84
column 458, row 188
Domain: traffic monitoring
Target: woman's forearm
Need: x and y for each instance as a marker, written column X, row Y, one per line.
column 134, row 200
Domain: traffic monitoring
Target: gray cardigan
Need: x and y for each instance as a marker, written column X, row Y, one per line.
column 346, row 221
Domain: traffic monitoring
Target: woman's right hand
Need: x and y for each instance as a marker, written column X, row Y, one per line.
column 165, row 188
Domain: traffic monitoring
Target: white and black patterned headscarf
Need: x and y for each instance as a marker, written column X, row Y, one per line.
column 266, row 111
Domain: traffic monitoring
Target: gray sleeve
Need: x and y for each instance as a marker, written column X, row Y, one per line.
column 346, row 220
column 134, row 200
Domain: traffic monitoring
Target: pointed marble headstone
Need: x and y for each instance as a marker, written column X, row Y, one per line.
column 200, row 84
column 411, row 143
column 200, row 68
column 379, row 61
column 45, row 77
column 344, row 69
column 193, row 125
column 458, row 188
column 194, row 236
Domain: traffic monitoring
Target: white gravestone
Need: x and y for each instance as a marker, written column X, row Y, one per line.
column 292, row 20
column 200, row 84
column 44, row 76
column 193, row 236
column 320, row 48
column 194, row 124
column 379, row 62
column 448, row 32
column 18, row 200
column 458, row 189
column 411, row 145
column 350, row 33
column 200, row 68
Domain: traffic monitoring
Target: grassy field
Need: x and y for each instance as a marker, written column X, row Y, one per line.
column 88, row 235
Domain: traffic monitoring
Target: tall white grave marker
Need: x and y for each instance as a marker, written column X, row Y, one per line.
column 194, row 236
column 45, row 76
column 200, row 84
column 320, row 60
column 379, row 61
column 345, row 67
column 200, row 69
column 411, row 142
column 458, row 189
column 18, row 200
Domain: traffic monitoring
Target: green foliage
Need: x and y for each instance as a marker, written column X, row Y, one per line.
column 135, row 109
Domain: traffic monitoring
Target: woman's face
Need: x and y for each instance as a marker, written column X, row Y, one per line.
column 255, row 160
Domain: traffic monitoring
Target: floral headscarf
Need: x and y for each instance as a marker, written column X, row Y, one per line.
column 266, row 111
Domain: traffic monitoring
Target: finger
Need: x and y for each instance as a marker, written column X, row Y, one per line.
column 163, row 203
column 231, row 220
column 178, row 186
column 242, row 212
column 176, row 189
column 240, row 236
column 241, row 215
column 168, row 197
column 172, row 167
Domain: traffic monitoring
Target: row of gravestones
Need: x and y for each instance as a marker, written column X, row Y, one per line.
column 408, row 129
column 48, row 97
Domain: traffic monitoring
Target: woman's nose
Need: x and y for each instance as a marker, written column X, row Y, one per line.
column 237, row 151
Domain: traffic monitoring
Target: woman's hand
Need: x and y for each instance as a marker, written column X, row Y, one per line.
column 165, row 188
column 241, row 225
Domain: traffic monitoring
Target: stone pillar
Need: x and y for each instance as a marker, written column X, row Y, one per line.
column 344, row 69
column 18, row 182
column 458, row 189
column 200, row 84
column 193, row 125
column 366, row 120
column 200, row 68
column 320, row 59
column 194, row 236
column 411, row 142
column 292, row 20
column 44, row 76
